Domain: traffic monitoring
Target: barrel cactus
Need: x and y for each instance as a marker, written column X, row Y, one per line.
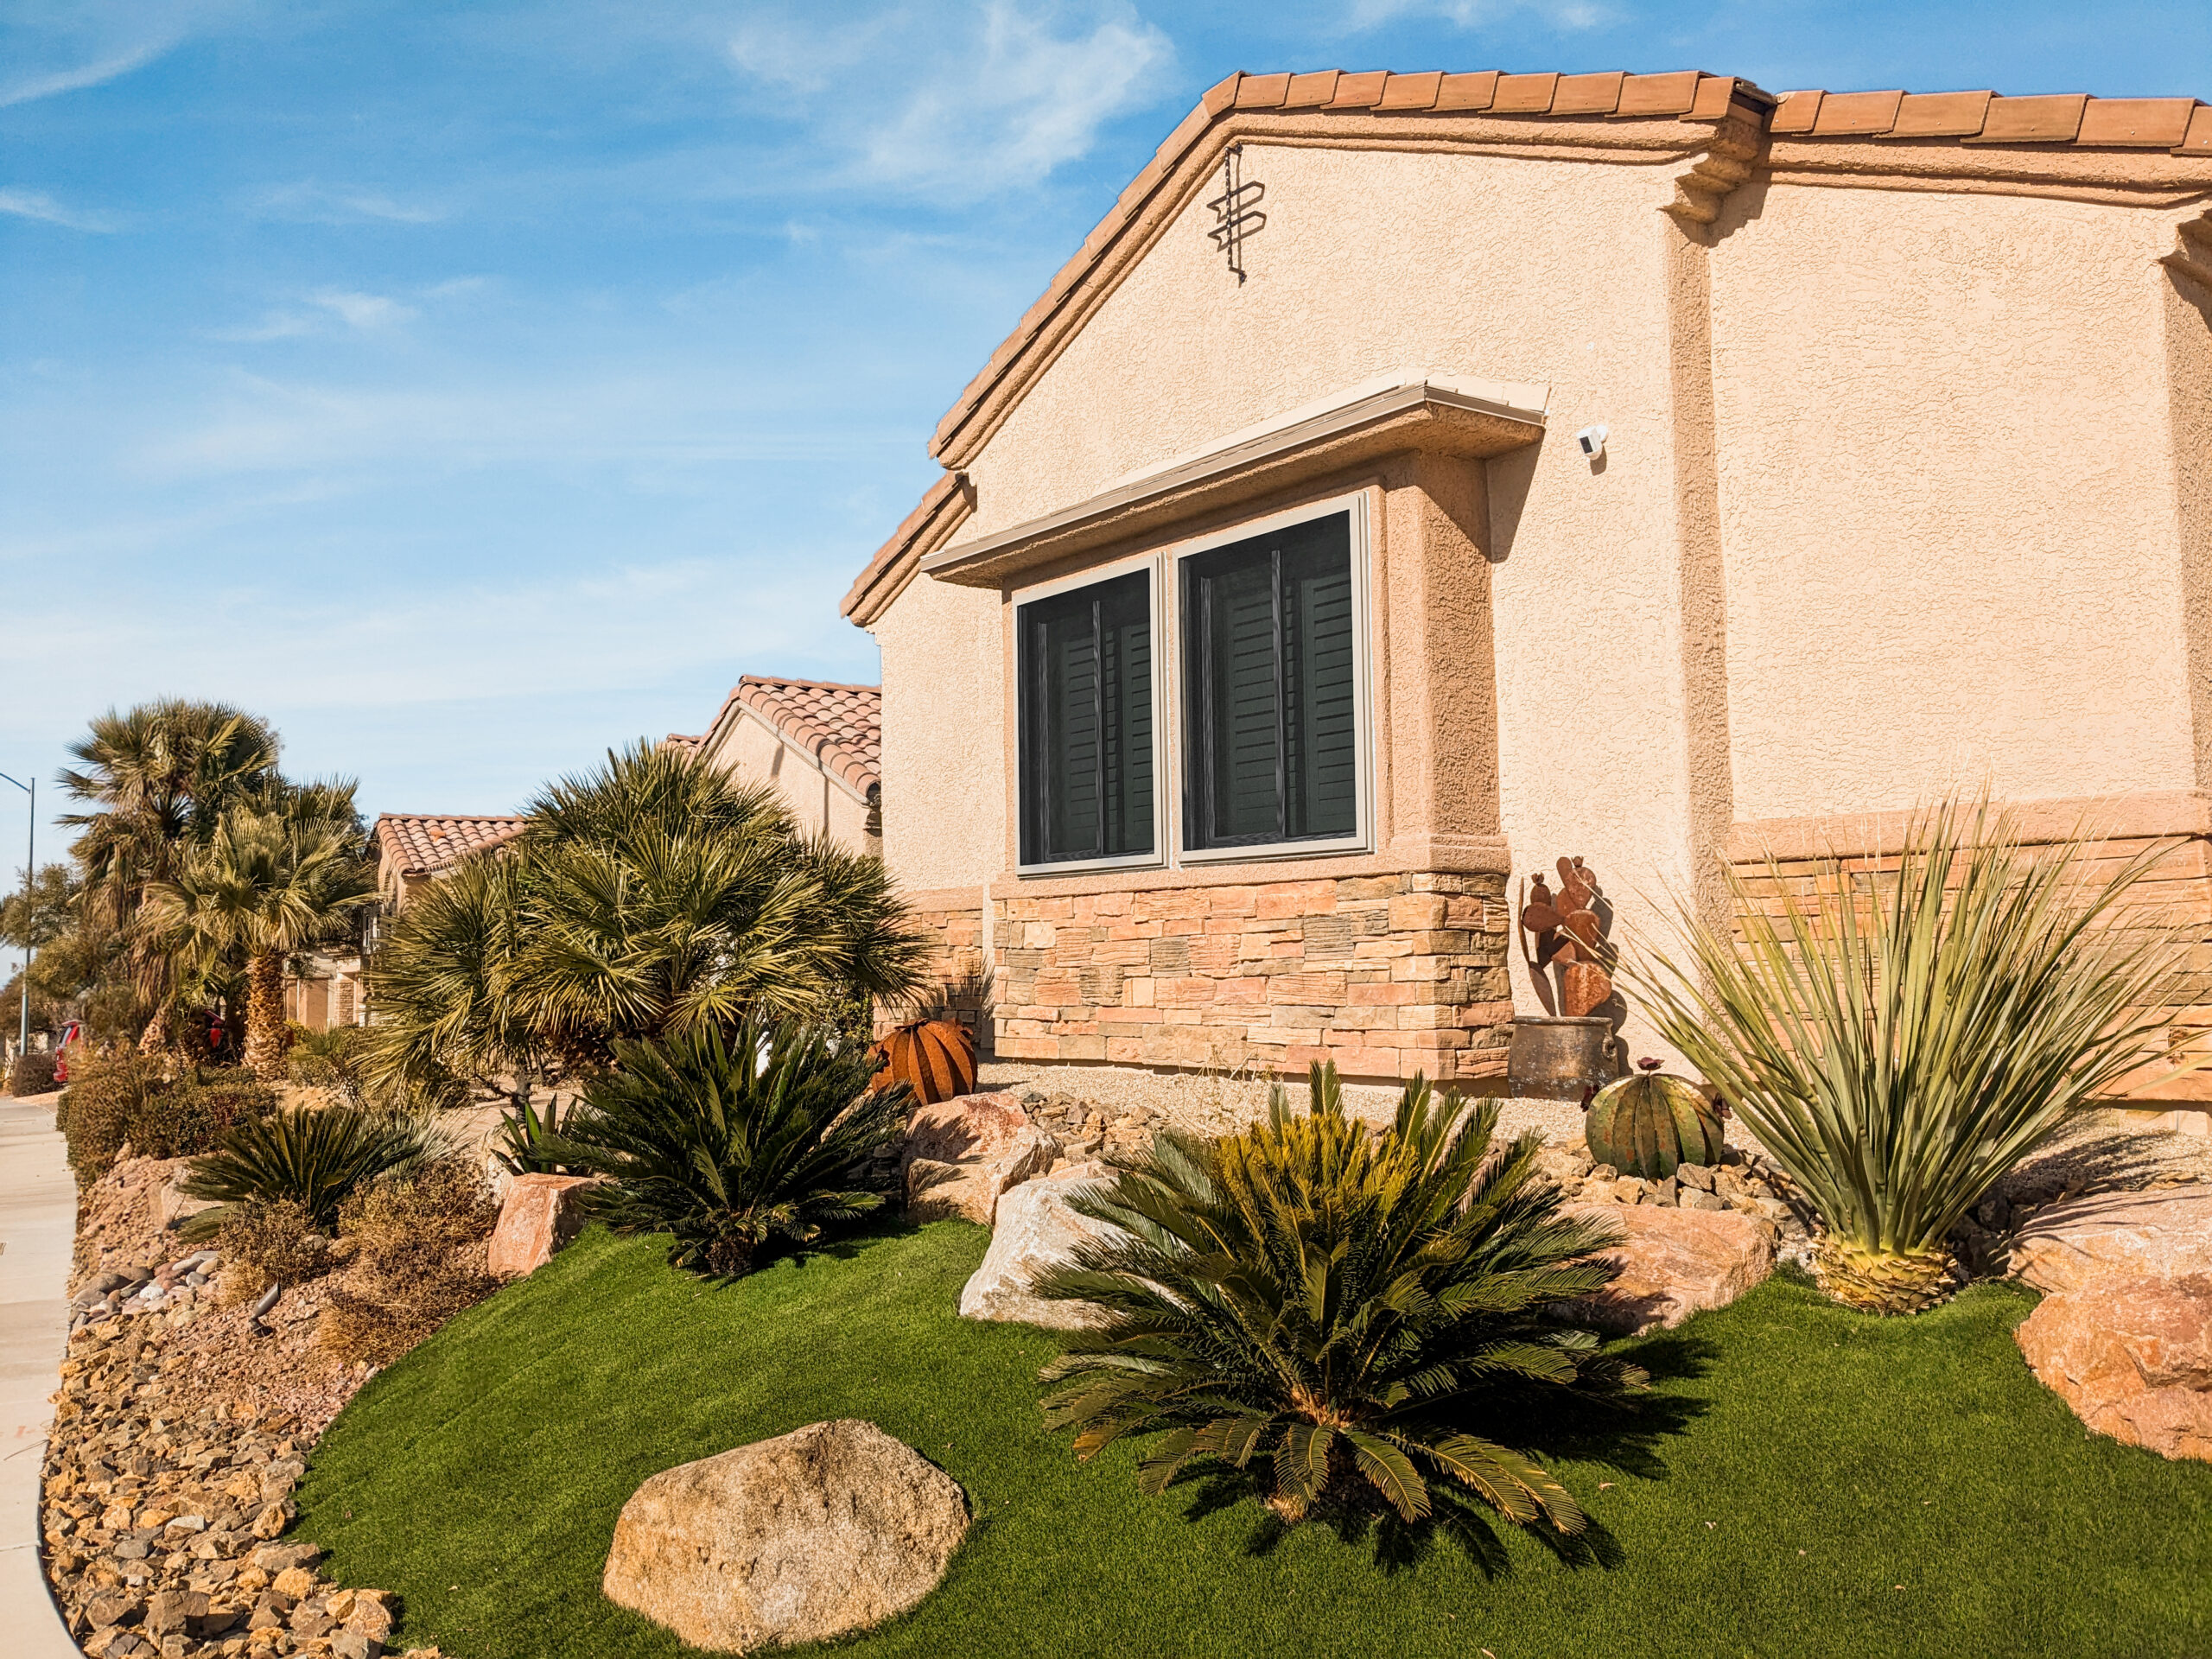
column 1647, row 1124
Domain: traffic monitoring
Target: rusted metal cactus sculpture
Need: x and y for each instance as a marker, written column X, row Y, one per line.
column 1570, row 940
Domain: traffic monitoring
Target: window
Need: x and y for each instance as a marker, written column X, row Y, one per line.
column 1270, row 713
column 1084, row 659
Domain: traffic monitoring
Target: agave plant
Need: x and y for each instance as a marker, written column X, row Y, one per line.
column 314, row 1158
column 729, row 1142
column 529, row 1139
column 1900, row 1039
column 1348, row 1316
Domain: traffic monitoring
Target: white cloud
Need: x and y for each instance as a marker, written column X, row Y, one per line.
column 308, row 202
column 995, row 100
column 49, row 83
column 363, row 310
column 1472, row 14
column 366, row 312
column 37, row 204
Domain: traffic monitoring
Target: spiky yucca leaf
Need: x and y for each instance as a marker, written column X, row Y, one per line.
column 1336, row 1310
column 729, row 1142
column 1900, row 1037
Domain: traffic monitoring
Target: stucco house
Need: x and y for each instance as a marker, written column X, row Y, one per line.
column 819, row 742
column 414, row 849
column 1414, row 478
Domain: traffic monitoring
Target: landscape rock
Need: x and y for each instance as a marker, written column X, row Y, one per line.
column 2132, row 1357
column 961, row 1153
column 1036, row 1228
column 539, row 1215
column 1674, row 1262
column 2166, row 1233
column 831, row 1528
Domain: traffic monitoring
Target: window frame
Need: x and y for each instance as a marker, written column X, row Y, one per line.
column 1355, row 505
column 1164, row 566
column 1157, row 858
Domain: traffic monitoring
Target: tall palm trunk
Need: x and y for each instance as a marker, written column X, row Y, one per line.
column 155, row 1037
column 267, row 1036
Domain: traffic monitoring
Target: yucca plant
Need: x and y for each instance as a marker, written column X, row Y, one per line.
column 527, row 1143
column 1348, row 1315
column 1899, row 1039
column 314, row 1157
column 727, row 1143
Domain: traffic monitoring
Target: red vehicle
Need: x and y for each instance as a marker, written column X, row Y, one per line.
column 72, row 1034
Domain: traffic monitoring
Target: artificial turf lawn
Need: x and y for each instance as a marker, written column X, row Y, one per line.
column 1805, row 1481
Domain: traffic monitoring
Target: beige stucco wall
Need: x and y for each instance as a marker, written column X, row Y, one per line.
column 1947, row 495
column 1494, row 268
column 752, row 749
column 1889, row 501
column 944, row 774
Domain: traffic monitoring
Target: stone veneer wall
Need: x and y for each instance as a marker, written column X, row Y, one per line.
column 1385, row 974
column 954, row 976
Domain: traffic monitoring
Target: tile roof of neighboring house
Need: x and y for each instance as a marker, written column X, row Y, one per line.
column 841, row 726
column 422, row 844
column 2179, row 126
column 684, row 743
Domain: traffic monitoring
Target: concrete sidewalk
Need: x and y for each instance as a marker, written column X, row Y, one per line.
column 38, row 1223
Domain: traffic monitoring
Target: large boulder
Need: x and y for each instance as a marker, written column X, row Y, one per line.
column 2162, row 1234
column 1674, row 1263
column 539, row 1214
column 2132, row 1356
column 961, row 1153
column 1036, row 1228
column 828, row 1529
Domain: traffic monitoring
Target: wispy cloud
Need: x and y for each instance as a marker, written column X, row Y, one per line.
column 996, row 100
column 311, row 203
column 362, row 312
column 1572, row 14
column 23, row 89
column 37, row 204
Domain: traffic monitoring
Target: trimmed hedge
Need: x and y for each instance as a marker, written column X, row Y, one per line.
column 32, row 1074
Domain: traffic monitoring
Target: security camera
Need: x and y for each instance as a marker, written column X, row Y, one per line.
column 1592, row 440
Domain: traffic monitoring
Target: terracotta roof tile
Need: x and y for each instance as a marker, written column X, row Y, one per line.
column 2136, row 122
column 1311, row 91
column 1940, row 115
column 684, row 743
column 1588, row 94
column 422, row 844
column 1857, row 112
column 2033, row 120
column 1410, row 92
column 1470, row 93
column 1675, row 94
column 1359, row 91
column 1797, row 112
column 841, row 726
column 1524, row 94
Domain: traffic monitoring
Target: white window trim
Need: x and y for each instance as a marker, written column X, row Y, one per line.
column 1162, row 755
column 1363, row 838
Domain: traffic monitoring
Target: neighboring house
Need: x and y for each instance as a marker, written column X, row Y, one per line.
column 820, row 743
column 415, row 847
column 1640, row 467
column 411, row 848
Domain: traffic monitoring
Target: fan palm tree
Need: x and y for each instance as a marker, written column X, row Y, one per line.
column 279, row 875
column 159, row 778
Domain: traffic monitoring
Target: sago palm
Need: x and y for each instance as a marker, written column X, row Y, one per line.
column 1899, row 1037
column 308, row 1156
column 729, row 1142
column 1350, row 1316
column 270, row 883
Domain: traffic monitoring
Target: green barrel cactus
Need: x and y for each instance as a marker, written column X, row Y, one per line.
column 1645, row 1125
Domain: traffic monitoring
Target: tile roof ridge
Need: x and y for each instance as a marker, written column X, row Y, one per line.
column 812, row 686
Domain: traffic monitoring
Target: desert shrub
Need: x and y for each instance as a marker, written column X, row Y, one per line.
column 267, row 1244
column 105, row 1102
column 1899, row 1039
column 128, row 1100
column 1349, row 1318
column 31, row 1074
column 419, row 1255
column 329, row 1059
column 316, row 1158
column 729, row 1143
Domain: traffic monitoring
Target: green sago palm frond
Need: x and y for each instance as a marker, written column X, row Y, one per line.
column 1336, row 1311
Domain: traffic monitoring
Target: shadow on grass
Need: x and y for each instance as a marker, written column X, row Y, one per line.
column 1627, row 1436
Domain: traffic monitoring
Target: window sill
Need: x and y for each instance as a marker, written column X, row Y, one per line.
column 1455, row 855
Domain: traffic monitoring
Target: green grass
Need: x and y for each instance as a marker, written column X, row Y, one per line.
column 1798, row 1465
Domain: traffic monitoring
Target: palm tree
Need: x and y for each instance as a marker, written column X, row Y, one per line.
column 159, row 777
column 283, row 872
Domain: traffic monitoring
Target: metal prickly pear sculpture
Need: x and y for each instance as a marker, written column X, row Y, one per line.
column 1647, row 1124
column 1569, row 937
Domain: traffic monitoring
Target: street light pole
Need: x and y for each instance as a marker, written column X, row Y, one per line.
column 30, row 875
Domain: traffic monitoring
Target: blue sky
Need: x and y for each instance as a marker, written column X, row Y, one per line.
column 469, row 388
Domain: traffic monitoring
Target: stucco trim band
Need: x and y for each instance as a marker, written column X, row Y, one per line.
column 1422, row 416
column 2145, row 815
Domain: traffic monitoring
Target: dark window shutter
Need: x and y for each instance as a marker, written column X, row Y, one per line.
column 1084, row 660
column 1271, row 736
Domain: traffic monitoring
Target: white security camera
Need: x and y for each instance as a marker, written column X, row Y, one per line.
column 1592, row 440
